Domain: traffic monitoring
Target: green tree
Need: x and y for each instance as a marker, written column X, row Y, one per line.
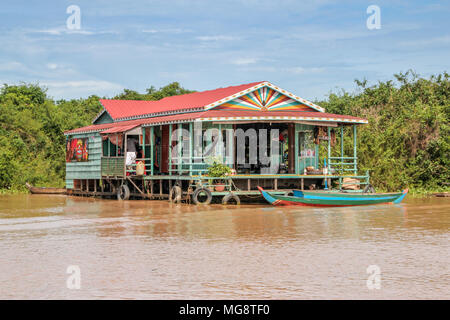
column 406, row 142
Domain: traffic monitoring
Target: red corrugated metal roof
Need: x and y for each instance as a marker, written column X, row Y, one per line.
column 120, row 128
column 119, row 109
column 224, row 115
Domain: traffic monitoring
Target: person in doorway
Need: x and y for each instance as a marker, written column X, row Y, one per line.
column 131, row 153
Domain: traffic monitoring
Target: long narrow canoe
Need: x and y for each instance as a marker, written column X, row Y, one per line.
column 43, row 190
column 332, row 199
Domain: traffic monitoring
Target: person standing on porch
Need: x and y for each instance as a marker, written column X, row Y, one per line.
column 131, row 152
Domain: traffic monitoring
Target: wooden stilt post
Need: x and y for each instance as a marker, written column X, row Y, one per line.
column 170, row 149
column 179, row 149
column 355, row 159
column 329, row 149
column 234, row 146
column 342, row 149
column 152, row 160
column 143, row 143
column 296, row 150
column 219, row 143
column 316, row 158
column 191, row 147
column 160, row 151
column 143, row 156
column 291, row 146
column 125, row 154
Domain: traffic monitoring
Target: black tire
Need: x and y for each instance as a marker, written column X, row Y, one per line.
column 123, row 193
column 199, row 191
column 369, row 189
column 175, row 194
column 230, row 196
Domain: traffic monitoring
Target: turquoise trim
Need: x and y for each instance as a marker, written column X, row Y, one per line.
column 267, row 196
column 400, row 199
column 347, row 199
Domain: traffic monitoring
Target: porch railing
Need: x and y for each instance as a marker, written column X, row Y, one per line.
column 363, row 181
column 131, row 169
column 343, row 164
column 112, row 166
column 189, row 166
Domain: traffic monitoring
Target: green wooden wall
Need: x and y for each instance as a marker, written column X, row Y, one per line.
column 104, row 118
column 90, row 169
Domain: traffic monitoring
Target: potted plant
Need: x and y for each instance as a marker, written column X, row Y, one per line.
column 216, row 170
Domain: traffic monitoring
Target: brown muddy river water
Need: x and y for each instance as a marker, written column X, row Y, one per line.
column 155, row 250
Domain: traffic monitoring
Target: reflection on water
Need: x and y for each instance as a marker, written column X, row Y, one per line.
column 157, row 250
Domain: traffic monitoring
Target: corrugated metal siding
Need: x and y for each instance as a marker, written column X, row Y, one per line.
column 90, row 169
column 69, row 184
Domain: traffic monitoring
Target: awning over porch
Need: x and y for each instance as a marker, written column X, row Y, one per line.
column 313, row 118
column 119, row 129
column 229, row 116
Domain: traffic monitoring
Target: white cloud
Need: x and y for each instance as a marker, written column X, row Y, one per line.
column 301, row 70
column 244, row 61
column 274, row 68
column 52, row 66
column 63, row 30
column 217, row 38
column 80, row 88
column 171, row 30
column 12, row 66
column 174, row 76
column 97, row 84
column 427, row 42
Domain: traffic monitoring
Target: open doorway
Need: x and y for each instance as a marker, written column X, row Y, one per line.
column 256, row 156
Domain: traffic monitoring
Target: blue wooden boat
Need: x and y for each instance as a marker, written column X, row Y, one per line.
column 332, row 199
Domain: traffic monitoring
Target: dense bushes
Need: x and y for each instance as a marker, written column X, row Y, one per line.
column 32, row 143
column 406, row 142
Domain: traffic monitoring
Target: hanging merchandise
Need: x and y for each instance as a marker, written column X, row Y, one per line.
column 332, row 137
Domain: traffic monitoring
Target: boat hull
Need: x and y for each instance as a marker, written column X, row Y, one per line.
column 332, row 199
column 39, row 190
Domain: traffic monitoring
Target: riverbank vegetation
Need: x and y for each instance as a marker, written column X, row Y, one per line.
column 406, row 142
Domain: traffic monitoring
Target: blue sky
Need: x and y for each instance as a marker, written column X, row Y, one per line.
column 307, row 47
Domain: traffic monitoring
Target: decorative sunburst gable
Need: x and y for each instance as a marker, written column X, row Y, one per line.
column 265, row 97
